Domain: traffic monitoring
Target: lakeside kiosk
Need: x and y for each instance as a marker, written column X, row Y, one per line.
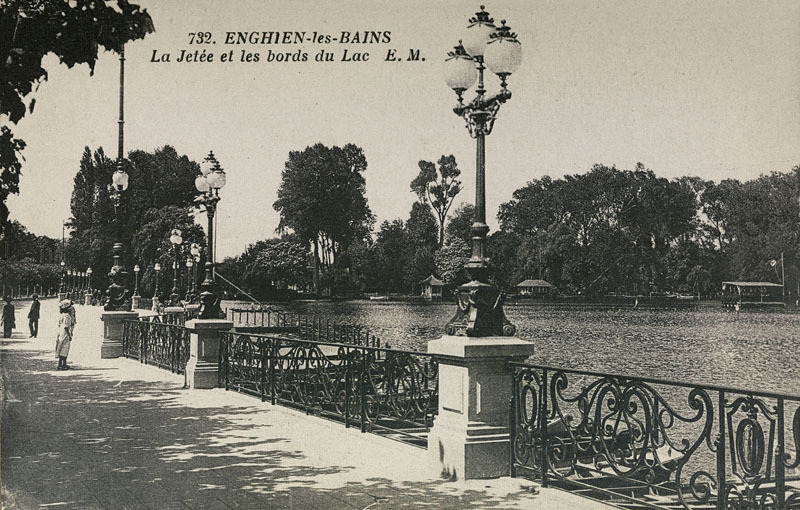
column 752, row 294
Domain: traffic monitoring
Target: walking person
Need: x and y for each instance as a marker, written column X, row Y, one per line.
column 33, row 316
column 9, row 322
column 64, row 339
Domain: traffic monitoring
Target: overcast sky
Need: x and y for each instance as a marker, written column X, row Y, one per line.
column 685, row 87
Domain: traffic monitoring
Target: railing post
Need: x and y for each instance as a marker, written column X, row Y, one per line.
column 143, row 347
column 348, row 380
column 363, row 390
column 273, row 361
column 512, row 422
column 225, row 355
column 264, row 359
column 780, row 471
column 543, row 427
column 721, row 475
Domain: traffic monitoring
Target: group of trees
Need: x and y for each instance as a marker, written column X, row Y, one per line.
column 27, row 260
column 159, row 198
column 612, row 230
column 324, row 211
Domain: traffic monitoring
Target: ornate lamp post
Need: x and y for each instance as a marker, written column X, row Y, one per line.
column 61, row 287
column 176, row 239
column 195, row 253
column 89, row 278
column 69, row 281
column 157, row 269
column 191, row 294
column 136, row 270
column 116, row 294
column 480, row 304
column 211, row 180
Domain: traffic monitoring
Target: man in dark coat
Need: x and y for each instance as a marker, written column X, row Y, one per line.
column 33, row 316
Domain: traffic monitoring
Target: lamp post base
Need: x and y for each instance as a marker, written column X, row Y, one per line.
column 202, row 370
column 470, row 435
column 113, row 328
column 479, row 312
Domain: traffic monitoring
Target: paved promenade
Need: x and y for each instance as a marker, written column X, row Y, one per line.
column 115, row 434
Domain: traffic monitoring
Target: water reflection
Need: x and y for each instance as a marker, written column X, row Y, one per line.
column 703, row 344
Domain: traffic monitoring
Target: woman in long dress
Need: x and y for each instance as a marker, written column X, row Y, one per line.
column 64, row 339
column 8, row 320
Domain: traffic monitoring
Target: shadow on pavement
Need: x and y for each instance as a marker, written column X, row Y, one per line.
column 78, row 440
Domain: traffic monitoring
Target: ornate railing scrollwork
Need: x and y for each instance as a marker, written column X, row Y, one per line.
column 156, row 343
column 379, row 389
column 667, row 443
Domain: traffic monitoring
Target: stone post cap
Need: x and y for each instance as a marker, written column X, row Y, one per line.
column 480, row 347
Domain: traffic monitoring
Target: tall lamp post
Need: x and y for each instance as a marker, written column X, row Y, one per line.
column 116, row 293
column 157, row 269
column 211, row 180
column 191, row 294
column 136, row 270
column 61, row 288
column 176, row 239
column 480, row 304
column 87, row 298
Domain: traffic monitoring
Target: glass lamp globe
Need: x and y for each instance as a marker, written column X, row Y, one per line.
column 189, row 262
column 120, row 179
column 136, row 268
column 459, row 69
column 63, row 264
column 175, row 237
column 157, row 267
column 195, row 249
column 89, row 271
column 478, row 33
column 219, row 179
column 201, row 183
column 503, row 54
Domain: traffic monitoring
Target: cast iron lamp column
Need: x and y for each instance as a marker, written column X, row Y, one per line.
column 61, row 288
column 480, row 304
column 211, row 180
column 176, row 239
column 116, row 294
column 89, row 278
column 136, row 270
column 157, row 269
column 191, row 295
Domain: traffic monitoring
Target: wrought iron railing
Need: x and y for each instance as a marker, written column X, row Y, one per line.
column 156, row 342
column 391, row 392
column 646, row 443
column 307, row 327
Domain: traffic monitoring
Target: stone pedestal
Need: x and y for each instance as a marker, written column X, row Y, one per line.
column 192, row 310
column 112, row 332
column 155, row 304
column 202, row 371
column 175, row 313
column 470, row 435
column 135, row 301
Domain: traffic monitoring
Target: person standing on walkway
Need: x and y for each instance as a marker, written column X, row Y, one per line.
column 64, row 339
column 33, row 316
column 9, row 322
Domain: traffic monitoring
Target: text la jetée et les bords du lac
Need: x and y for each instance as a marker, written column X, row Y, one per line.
column 288, row 46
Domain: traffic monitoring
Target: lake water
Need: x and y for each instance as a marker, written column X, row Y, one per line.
column 701, row 344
